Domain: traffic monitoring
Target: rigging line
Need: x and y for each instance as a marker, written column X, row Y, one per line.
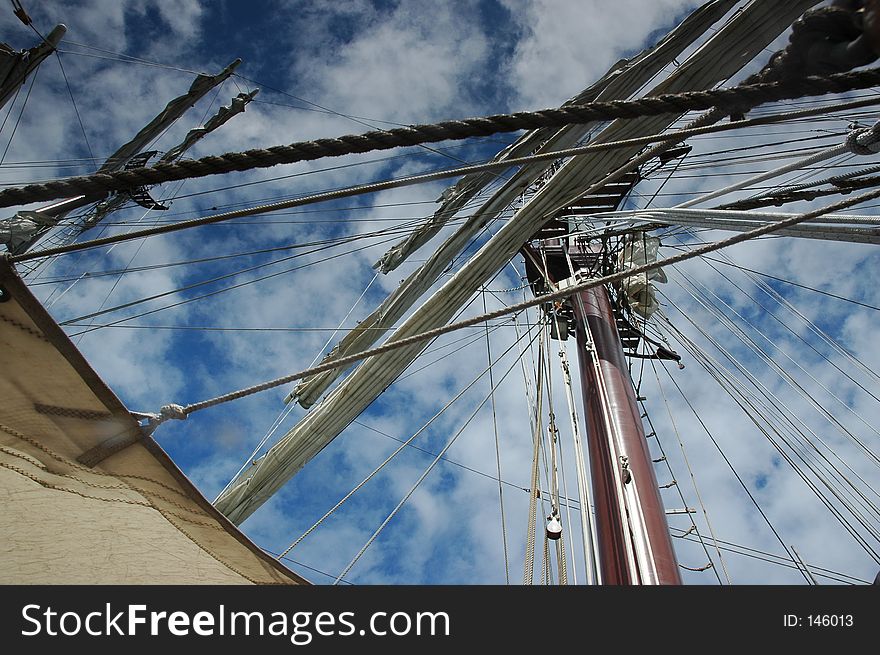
column 553, row 447
column 75, row 109
column 569, row 502
column 342, row 322
column 305, row 566
column 8, row 114
column 20, row 114
column 122, row 57
column 786, row 562
column 750, row 343
column 282, row 416
column 471, row 339
column 741, row 399
column 381, row 186
column 379, row 160
column 730, row 385
column 792, row 331
column 814, row 328
column 100, row 185
column 690, row 470
column 234, row 286
column 549, row 297
column 116, row 282
column 833, row 179
column 806, row 570
column 845, row 159
column 529, row 563
column 821, row 462
column 678, row 489
column 497, row 450
column 403, row 444
column 846, row 147
column 761, row 145
column 785, row 281
column 588, row 523
column 421, row 479
column 823, row 458
column 217, row 328
column 843, row 577
column 317, row 108
column 735, row 161
column 328, row 244
column 285, row 411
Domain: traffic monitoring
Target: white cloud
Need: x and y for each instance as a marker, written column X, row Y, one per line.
column 416, row 62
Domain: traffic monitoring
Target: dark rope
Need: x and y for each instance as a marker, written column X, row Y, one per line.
column 778, row 199
column 733, row 99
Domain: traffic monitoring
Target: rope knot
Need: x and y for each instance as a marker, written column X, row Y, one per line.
column 865, row 141
column 172, row 411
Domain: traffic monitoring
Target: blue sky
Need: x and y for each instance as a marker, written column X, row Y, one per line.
column 326, row 69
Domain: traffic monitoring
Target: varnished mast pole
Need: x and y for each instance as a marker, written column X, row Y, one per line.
column 634, row 543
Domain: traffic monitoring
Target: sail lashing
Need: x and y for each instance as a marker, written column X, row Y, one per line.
column 22, row 231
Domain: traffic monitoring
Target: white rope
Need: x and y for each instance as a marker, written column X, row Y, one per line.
column 403, row 445
column 342, row 322
column 529, row 566
column 687, row 464
column 420, row 480
column 859, row 142
column 588, row 527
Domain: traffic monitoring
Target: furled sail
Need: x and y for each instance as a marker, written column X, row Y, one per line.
column 16, row 66
column 19, row 241
column 729, row 49
column 620, row 82
column 833, row 227
column 223, row 115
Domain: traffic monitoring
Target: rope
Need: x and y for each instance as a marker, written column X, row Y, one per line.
column 403, row 444
column 497, row 449
column 672, row 137
column 534, row 491
column 556, row 295
column 421, row 478
column 733, row 99
column 858, row 142
column 841, row 186
column 690, row 471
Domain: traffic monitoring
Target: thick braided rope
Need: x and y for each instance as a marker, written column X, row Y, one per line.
column 778, row 199
column 556, row 295
column 99, row 185
column 438, row 175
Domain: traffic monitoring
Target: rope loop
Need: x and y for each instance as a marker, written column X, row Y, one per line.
column 828, row 40
column 864, row 141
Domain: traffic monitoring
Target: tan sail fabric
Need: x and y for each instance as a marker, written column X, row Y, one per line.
column 85, row 497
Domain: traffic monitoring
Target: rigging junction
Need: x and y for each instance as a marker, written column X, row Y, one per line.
column 566, row 258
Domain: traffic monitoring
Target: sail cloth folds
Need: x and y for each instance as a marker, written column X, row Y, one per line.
column 729, row 49
column 19, row 241
column 16, row 66
column 173, row 110
column 833, row 227
column 619, row 83
column 86, row 497
column 639, row 250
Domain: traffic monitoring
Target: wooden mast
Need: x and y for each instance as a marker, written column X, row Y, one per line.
column 633, row 536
